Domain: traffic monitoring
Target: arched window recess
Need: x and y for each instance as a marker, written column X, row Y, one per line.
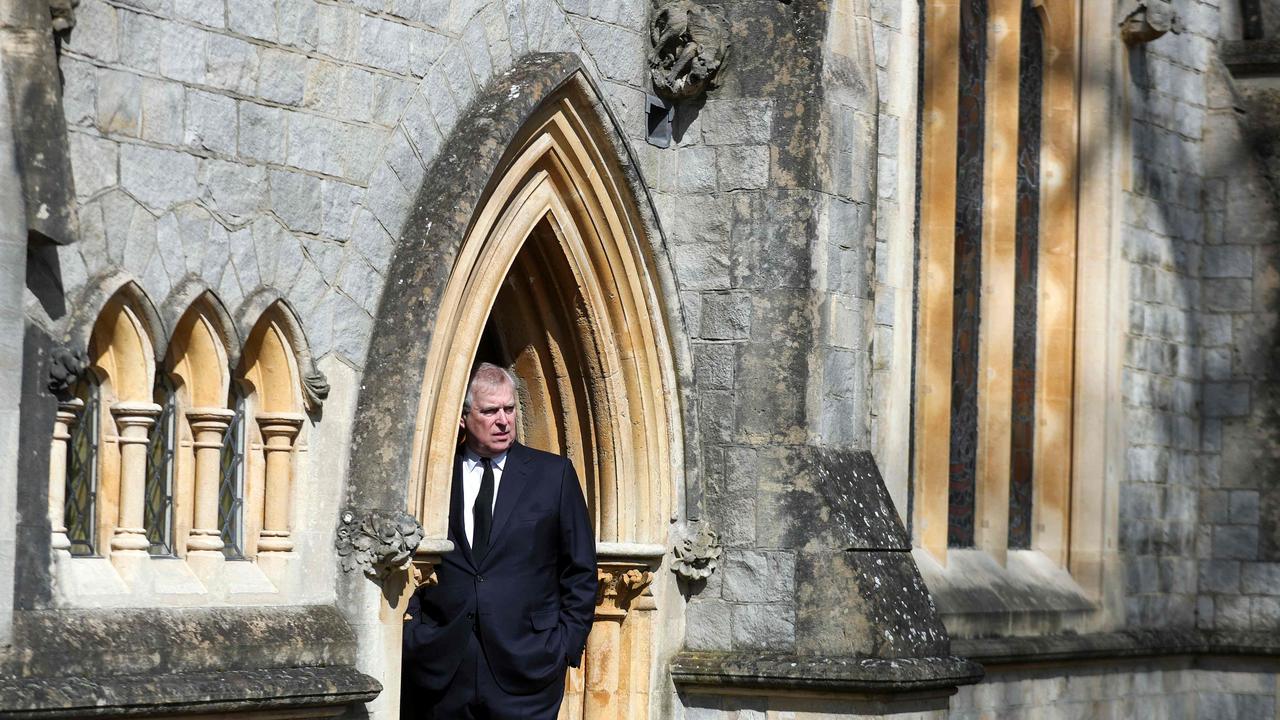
column 198, row 365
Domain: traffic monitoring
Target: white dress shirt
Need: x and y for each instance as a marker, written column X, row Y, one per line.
column 472, row 472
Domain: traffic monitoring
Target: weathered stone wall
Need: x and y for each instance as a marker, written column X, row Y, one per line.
column 1198, row 505
column 1147, row 689
column 1162, row 238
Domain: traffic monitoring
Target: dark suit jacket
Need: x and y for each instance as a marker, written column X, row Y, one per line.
column 533, row 597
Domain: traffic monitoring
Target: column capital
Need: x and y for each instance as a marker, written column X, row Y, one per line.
column 620, row 582
column 128, row 412
column 210, row 418
column 286, row 425
column 69, row 409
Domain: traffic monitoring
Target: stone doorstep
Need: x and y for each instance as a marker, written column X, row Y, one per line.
column 175, row 694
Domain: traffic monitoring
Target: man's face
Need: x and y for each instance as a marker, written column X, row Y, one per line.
column 490, row 425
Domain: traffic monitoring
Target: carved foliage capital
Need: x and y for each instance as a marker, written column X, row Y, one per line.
column 377, row 542
column 619, row 583
column 690, row 45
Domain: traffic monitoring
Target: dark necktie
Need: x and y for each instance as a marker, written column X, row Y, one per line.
column 482, row 513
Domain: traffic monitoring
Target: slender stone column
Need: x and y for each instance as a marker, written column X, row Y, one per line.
column 133, row 423
column 279, row 430
column 68, row 413
column 208, row 427
column 620, row 582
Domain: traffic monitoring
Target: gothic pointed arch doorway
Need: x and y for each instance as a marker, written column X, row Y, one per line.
column 554, row 280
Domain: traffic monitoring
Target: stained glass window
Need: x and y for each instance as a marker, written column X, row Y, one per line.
column 1026, row 274
column 968, row 274
column 82, row 473
column 231, row 485
column 158, row 513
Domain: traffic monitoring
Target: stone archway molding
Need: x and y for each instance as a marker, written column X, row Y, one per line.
column 539, row 148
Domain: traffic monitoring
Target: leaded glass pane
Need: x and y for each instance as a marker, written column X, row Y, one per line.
column 966, row 294
column 158, row 513
column 1026, row 273
column 231, row 487
column 82, row 474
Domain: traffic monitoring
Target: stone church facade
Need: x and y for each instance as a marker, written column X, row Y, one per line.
column 918, row 359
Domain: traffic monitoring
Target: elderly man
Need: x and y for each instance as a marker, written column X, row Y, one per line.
column 516, row 596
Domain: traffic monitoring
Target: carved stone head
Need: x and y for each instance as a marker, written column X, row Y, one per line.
column 690, row 45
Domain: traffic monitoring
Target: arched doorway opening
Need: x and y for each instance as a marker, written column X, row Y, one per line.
column 553, row 278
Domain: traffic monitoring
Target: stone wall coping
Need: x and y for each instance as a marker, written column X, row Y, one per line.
column 629, row 551
column 794, row 673
column 203, row 692
column 1116, row 645
column 1252, row 57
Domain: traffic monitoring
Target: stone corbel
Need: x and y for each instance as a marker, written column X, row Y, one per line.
column 1148, row 20
column 377, row 542
column 697, row 556
column 690, row 45
column 315, row 390
column 62, row 15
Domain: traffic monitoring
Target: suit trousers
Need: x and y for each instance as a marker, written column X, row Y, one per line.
column 473, row 694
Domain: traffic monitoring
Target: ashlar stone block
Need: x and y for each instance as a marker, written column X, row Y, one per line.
column 159, row 178
column 211, row 122
column 759, row 576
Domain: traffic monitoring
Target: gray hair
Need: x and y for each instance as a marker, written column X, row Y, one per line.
column 487, row 375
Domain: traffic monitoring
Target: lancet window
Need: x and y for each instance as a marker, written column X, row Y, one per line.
column 997, row 276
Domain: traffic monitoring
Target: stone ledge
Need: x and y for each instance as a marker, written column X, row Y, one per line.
column 1252, row 57
column 853, row 675
column 1117, row 645
column 81, row 642
column 271, row 689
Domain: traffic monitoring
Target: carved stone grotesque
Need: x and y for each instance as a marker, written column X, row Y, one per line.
column 66, row 366
column 697, row 557
column 377, row 542
column 63, row 14
column 1148, row 20
column 690, row 44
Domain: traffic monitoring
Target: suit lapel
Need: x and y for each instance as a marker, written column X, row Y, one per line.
column 515, row 481
column 457, row 525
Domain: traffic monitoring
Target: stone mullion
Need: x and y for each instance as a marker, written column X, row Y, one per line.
column 937, row 273
column 67, row 415
column 134, row 421
column 279, row 431
column 1056, row 343
column 999, row 262
column 208, row 428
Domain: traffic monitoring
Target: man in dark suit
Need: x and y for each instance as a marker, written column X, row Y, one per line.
column 516, row 596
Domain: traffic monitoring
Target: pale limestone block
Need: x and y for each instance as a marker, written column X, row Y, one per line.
column 281, row 76
column 159, row 178
column 119, row 102
column 211, row 122
column 182, row 53
column 261, row 132
column 233, row 190
column 162, row 108
column 93, row 163
column 254, row 18
column 232, row 64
